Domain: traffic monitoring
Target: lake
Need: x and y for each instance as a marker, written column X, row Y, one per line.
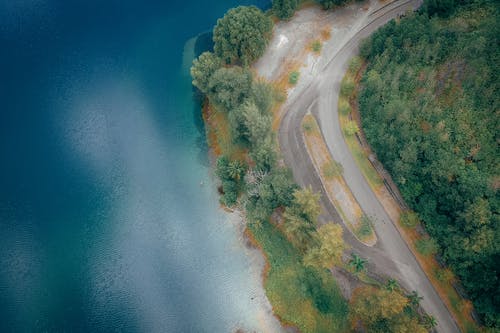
column 109, row 216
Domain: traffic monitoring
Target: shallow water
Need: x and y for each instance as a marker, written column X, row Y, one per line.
column 109, row 220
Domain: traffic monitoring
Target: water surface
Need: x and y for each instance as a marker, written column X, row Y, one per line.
column 108, row 216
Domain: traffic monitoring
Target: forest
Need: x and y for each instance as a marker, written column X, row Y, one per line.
column 429, row 107
column 281, row 218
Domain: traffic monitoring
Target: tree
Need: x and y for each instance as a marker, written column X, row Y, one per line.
column 285, row 9
column 298, row 230
column 306, row 204
column 392, row 285
column 264, row 154
column 427, row 246
column 262, row 95
column 242, row 35
column 327, row 4
column 351, row 128
column 430, row 322
column 236, row 170
column 203, row 68
column 258, row 125
column 377, row 308
column 229, row 87
column 330, row 247
column 357, row 263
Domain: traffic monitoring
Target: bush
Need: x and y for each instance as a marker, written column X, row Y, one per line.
column 427, row 246
column 409, row 219
column 293, row 78
column 351, row 128
column 365, row 228
column 355, row 64
column 285, row 9
column 316, row 46
column 344, row 107
column 347, row 87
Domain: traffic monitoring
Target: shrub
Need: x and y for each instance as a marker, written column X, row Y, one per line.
column 316, row 46
column 351, row 128
column 347, row 87
column 344, row 107
column 409, row 219
column 427, row 246
column 293, row 78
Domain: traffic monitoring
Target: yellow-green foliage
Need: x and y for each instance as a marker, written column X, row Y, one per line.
column 302, row 296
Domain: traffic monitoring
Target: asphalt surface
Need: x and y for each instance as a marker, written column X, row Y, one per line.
column 391, row 256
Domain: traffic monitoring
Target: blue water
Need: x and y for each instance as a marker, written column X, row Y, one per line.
column 108, row 216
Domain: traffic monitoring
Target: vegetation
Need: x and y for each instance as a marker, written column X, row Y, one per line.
column 316, row 46
column 328, row 4
column 281, row 217
column 293, row 78
column 429, row 106
column 332, row 169
column 329, row 248
column 242, row 35
column 285, row 9
column 384, row 310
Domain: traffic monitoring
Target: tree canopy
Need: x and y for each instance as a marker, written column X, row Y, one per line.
column 242, row 35
column 285, row 9
column 202, row 70
column 384, row 311
column 429, row 105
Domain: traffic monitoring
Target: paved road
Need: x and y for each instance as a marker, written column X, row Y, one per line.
column 391, row 256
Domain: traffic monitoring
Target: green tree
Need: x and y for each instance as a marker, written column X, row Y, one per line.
column 203, row 68
column 357, row 263
column 330, row 247
column 377, row 309
column 264, row 154
column 414, row 298
column 427, row 246
column 229, row 87
column 258, row 125
column 392, row 285
column 284, row 9
column 242, row 35
column 236, row 170
column 351, row 128
column 306, row 204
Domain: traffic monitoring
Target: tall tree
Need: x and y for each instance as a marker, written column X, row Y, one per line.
column 242, row 35
column 203, row 68
column 229, row 87
column 382, row 311
column 329, row 248
column 284, row 9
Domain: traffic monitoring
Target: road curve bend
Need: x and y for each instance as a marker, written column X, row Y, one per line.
column 391, row 255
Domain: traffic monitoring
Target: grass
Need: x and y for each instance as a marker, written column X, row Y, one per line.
column 332, row 169
column 303, row 297
column 459, row 307
column 365, row 229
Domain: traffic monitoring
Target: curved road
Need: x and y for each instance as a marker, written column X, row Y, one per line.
column 391, row 255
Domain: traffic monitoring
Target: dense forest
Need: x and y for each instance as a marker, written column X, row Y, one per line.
column 429, row 105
